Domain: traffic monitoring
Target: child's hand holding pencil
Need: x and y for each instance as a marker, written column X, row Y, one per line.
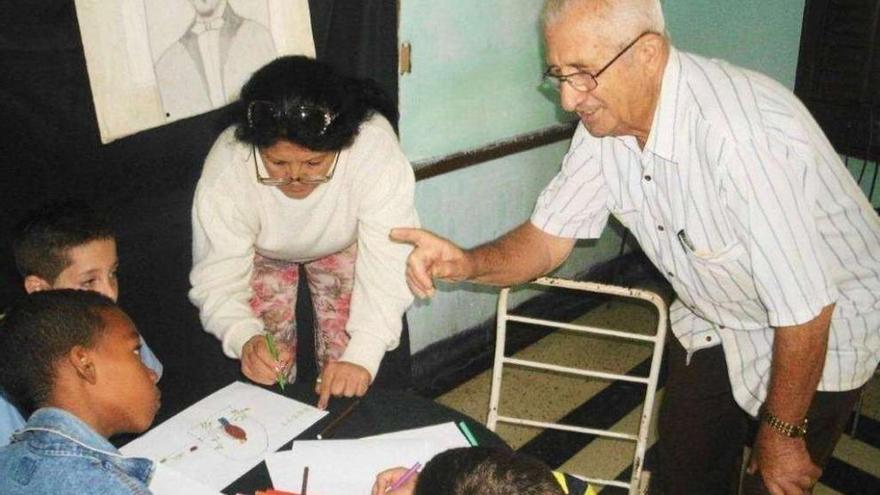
column 397, row 481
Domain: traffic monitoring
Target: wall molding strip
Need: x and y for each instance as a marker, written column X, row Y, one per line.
column 432, row 167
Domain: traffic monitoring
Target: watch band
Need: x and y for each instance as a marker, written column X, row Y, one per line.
column 790, row 430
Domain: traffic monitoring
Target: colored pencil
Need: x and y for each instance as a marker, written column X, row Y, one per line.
column 406, row 476
column 273, row 350
column 305, row 481
column 329, row 429
column 468, row 434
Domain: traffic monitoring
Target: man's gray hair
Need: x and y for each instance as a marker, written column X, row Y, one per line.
column 623, row 16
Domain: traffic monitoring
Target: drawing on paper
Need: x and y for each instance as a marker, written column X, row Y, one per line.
column 217, row 51
column 233, row 431
column 230, row 433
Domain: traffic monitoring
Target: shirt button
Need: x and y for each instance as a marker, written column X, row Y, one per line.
column 672, row 275
column 660, row 228
column 721, row 327
column 648, row 178
column 708, row 339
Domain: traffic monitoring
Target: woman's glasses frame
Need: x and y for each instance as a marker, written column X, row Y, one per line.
column 304, row 179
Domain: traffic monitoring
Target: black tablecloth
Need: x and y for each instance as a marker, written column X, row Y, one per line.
column 380, row 411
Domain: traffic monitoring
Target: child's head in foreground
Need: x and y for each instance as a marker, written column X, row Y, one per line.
column 76, row 350
column 66, row 246
column 479, row 471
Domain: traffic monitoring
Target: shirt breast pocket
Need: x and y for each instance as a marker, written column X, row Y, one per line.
column 723, row 275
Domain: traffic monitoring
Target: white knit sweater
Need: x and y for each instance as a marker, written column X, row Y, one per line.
column 233, row 217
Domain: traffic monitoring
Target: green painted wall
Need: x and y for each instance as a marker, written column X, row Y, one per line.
column 763, row 35
column 476, row 67
column 478, row 204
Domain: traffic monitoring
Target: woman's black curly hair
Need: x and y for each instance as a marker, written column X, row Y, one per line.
column 288, row 84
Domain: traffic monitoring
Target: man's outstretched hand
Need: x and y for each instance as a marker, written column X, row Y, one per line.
column 433, row 257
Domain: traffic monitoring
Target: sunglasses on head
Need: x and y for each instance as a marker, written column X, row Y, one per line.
column 311, row 118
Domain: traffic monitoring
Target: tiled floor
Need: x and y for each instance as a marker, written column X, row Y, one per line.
column 547, row 396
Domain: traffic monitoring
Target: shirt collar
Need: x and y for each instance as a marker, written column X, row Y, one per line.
column 661, row 140
column 215, row 22
column 200, row 27
column 67, row 427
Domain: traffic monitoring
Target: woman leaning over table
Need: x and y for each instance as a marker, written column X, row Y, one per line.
column 310, row 174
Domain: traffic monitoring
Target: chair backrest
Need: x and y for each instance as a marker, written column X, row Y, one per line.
column 657, row 340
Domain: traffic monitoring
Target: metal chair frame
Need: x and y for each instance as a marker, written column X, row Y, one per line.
column 658, row 340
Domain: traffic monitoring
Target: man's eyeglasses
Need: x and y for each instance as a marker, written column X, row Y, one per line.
column 303, row 179
column 310, row 118
column 582, row 80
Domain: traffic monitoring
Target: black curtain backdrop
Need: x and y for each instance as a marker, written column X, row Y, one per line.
column 50, row 150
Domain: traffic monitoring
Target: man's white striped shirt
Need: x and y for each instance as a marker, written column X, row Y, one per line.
column 741, row 201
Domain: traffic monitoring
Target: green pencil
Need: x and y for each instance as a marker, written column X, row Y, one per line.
column 273, row 350
column 467, row 433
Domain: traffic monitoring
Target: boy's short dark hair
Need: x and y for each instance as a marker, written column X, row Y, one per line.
column 44, row 236
column 38, row 330
column 486, row 471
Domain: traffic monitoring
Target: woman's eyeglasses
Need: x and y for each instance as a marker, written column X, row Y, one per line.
column 307, row 117
column 303, row 179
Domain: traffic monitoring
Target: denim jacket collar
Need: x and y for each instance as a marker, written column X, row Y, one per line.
column 55, row 429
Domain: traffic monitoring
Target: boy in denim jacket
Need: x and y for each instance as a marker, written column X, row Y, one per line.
column 65, row 246
column 73, row 357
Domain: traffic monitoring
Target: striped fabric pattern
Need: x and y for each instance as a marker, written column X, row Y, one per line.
column 741, row 201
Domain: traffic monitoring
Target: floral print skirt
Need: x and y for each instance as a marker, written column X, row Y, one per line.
column 331, row 278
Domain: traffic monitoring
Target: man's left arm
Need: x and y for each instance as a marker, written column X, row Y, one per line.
column 777, row 179
column 798, row 361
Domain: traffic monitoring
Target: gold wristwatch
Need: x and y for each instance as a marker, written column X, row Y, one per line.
column 790, row 430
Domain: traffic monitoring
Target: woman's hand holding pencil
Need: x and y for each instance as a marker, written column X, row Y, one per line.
column 261, row 365
column 273, row 351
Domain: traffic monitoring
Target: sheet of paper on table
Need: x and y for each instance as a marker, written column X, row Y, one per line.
column 442, row 437
column 166, row 481
column 345, row 467
column 224, row 435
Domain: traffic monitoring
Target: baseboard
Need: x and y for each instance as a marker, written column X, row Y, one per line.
column 446, row 364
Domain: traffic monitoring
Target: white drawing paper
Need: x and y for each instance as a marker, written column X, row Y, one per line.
column 224, row 435
column 166, row 481
column 344, row 467
column 442, row 437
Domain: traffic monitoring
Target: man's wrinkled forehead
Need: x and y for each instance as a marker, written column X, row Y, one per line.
column 576, row 41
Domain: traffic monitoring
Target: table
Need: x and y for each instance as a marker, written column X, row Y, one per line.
column 380, row 411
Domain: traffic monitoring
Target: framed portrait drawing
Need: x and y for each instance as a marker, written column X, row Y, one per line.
column 151, row 62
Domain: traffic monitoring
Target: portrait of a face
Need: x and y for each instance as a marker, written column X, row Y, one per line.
column 206, row 8
column 152, row 62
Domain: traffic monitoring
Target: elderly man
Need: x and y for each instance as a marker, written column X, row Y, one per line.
column 738, row 198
